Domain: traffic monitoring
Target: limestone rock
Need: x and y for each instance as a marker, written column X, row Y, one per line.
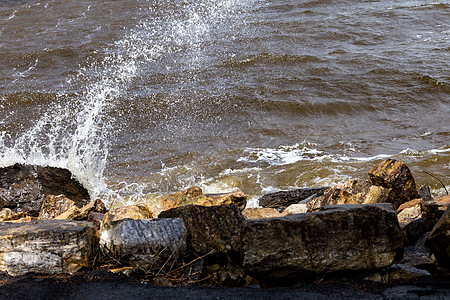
column 439, row 240
column 281, row 200
column 46, row 246
column 127, row 212
column 410, row 211
column 294, row 209
column 215, row 229
column 443, row 202
column 23, row 188
column 337, row 238
column 237, row 198
column 54, row 206
column 194, row 195
column 147, row 244
column 75, row 213
column 260, row 213
column 70, row 214
column 396, row 176
column 349, row 192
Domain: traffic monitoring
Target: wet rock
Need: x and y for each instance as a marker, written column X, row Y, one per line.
column 127, row 212
column 54, row 206
column 281, row 200
column 439, row 240
column 395, row 176
column 337, row 238
column 398, row 273
column 46, row 246
column 211, row 230
column 147, row 244
column 260, row 213
column 237, row 198
column 294, row 209
column 23, row 188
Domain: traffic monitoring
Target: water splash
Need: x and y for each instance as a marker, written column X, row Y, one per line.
column 74, row 132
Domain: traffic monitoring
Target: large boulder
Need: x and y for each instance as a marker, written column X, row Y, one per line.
column 395, row 176
column 282, row 199
column 391, row 181
column 336, row 238
column 23, row 188
column 146, row 244
column 47, row 246
column 439, row 240
column 211, row 229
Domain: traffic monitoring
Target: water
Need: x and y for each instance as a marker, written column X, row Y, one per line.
column 139, row 98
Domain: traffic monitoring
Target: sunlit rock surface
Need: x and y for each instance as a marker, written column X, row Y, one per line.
column 47, row 246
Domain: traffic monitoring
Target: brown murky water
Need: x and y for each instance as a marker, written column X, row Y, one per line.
column 139, row 97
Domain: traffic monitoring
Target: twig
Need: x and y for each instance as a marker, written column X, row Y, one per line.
column 435, row 177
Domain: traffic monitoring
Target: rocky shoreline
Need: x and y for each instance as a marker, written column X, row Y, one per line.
column 382, row 232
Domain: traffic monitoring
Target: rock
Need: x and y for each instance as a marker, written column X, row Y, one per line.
column 46, row 246
column 337, row 238
column 23, row 188
column 281, row 200
column 410, row 211
column 395, row 176
column 213, row 229
column 419, row 258
column 5, row 214
column 294, row 209
column 127, row 212
column 416, row 217
column 398, row 273
column 194, row 195
column 54, row 206
column 70, row 214
column 96, row 219
column 443, row 202
column 237, row 198
column 75, row 213
column 146, row 244
column 439, row 240
column 260, row 213
column 425, row 193
column 349, row 192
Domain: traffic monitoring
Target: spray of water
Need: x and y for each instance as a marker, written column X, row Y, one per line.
column 74, row 132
